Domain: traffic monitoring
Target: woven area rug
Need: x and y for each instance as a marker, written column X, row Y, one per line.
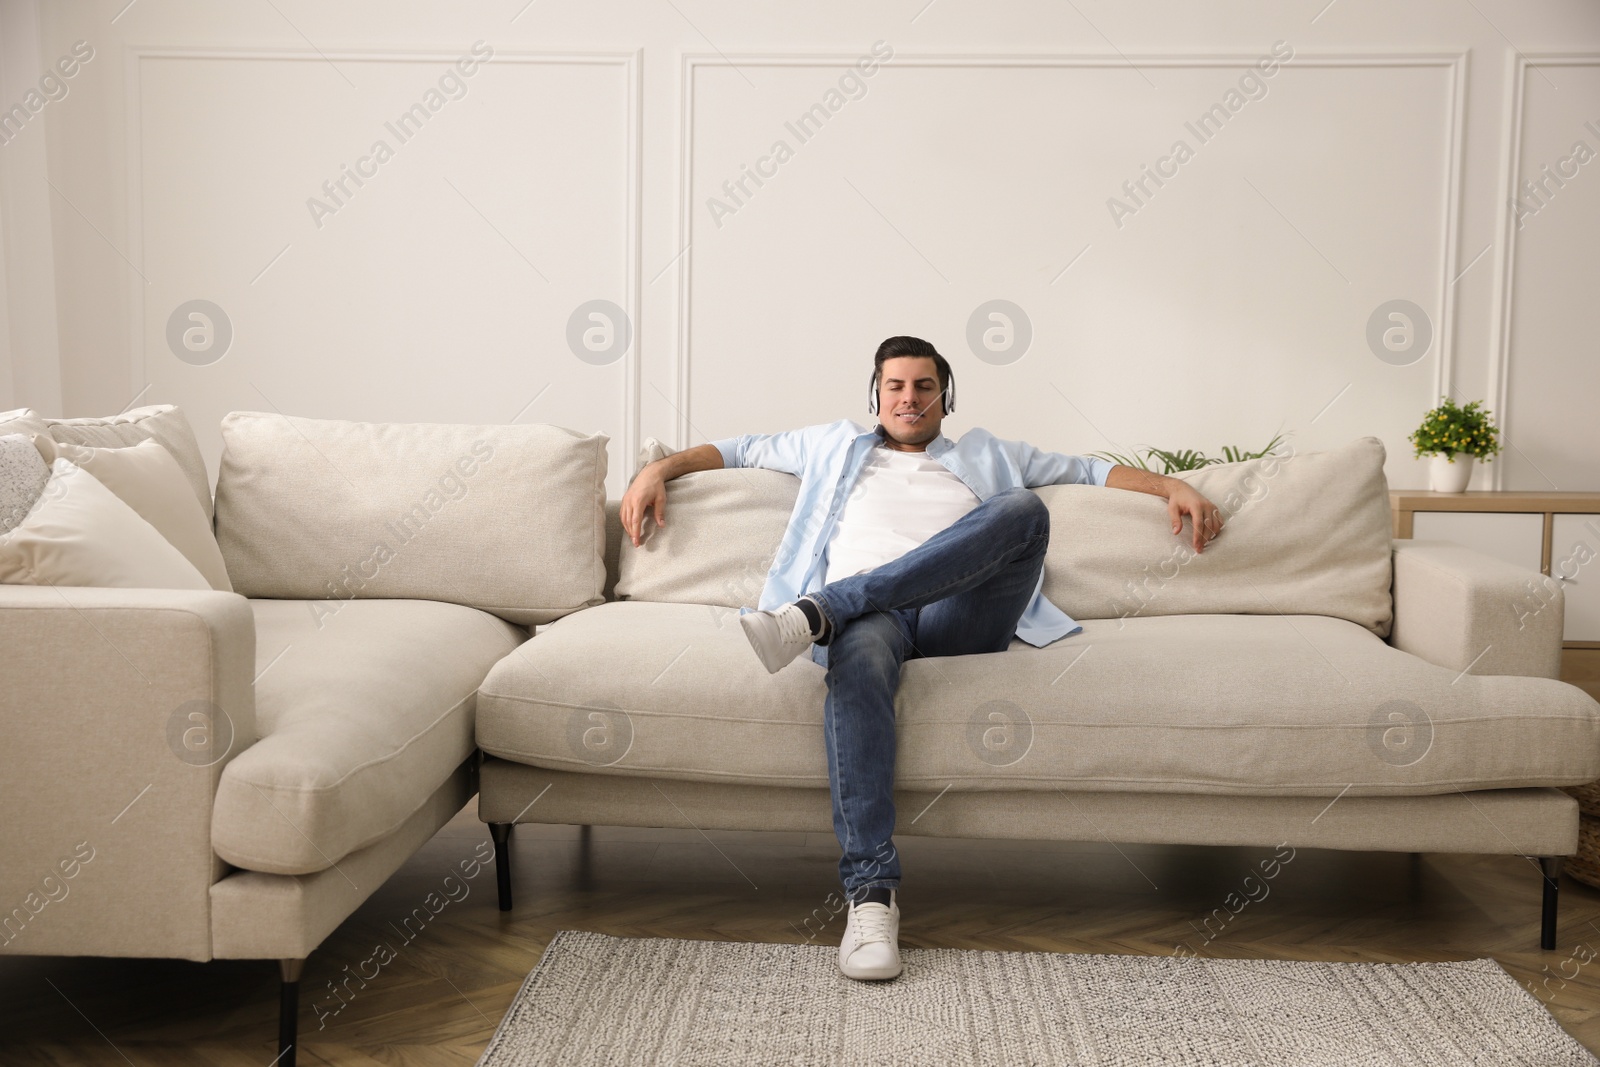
column 595, row 999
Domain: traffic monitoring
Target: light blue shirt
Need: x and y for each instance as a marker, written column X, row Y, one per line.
column 828, row 458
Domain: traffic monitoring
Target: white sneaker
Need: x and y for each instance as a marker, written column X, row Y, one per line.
column 778, row 636
column 870, row 948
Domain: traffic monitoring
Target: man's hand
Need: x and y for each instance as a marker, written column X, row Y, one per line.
column 1183, row 499
column 649, row 490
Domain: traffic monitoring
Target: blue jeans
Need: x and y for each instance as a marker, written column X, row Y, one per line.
column 959, row 593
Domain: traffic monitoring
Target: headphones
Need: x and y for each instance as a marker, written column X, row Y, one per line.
column 947, row 399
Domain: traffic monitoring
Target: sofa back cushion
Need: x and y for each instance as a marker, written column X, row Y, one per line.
column 720, row 555
column 507, row 519
column 1304, row 533
column 723, row 528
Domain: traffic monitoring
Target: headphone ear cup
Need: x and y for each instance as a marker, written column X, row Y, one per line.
column 872, row 394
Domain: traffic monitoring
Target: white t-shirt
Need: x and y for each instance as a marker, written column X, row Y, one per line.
column 900, row 499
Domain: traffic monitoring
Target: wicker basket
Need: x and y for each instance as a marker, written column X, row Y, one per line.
column 1588, row 797
column 1585, row 866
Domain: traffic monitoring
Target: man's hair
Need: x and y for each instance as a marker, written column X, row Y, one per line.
column 909, row 346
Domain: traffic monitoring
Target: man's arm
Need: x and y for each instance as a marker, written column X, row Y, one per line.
column 1140, row 481
column 1181, row 497
column 698, row 458
column 1039, row 467
column 1055, row 468
column 784, row 451
column 649, row 488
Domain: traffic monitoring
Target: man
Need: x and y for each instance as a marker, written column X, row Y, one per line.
column 902, row 544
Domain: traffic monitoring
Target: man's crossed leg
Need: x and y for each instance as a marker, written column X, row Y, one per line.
column 959, row 593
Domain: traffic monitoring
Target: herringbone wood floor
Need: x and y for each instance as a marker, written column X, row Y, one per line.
column 450, row 979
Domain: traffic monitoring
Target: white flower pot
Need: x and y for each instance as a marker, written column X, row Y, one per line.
column 1447, row 477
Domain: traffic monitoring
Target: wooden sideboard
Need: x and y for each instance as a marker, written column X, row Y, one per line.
column 1555, row 533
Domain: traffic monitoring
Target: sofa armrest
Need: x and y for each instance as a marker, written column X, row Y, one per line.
column 109, row 760
column 1462, row 609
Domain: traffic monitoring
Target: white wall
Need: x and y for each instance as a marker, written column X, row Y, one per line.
column 976, row 163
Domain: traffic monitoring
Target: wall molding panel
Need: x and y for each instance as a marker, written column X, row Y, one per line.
column 627, row 63
column 1449, row 63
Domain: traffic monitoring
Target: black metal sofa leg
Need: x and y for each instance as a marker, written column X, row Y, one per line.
column 288, row 1011
column 501, row 832
column 1550, row 869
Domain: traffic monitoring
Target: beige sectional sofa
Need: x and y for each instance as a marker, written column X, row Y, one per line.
column 229, row 774
column 1308, row 679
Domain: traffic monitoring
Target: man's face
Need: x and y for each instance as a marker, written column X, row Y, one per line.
column 908, row 402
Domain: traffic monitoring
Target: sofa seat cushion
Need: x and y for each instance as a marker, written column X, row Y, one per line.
column 1285, row 705
column 363, row 708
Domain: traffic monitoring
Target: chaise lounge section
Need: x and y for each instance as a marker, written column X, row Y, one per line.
column 229, row 774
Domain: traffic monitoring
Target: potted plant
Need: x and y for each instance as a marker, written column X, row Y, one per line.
column 1186, row 460
column 1448, row 432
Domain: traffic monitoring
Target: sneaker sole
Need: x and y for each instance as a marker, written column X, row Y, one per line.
column 755, row 643
column 871, row 974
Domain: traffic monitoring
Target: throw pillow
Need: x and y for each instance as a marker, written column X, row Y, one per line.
column 23, row 474
column 79, row 533
column 146, row 478
column 164, row 422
